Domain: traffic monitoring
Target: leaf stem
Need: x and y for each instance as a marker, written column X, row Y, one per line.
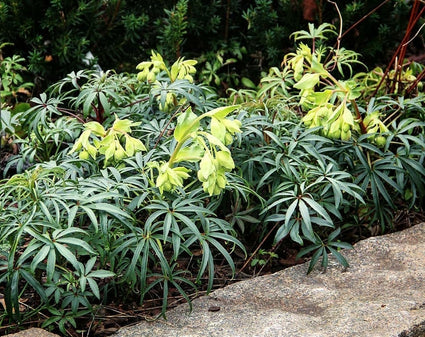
column 181, row 108
column 184, row 139
column 359, row 116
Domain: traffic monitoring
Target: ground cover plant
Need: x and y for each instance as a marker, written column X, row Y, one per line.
column 131, row 187
column 103, row 202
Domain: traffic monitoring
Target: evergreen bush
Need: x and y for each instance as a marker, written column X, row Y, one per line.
column 56, row 36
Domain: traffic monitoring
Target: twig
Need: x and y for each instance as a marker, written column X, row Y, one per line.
column 340, row 24
column 257, row 249
column 40, row 313
column 144, row 99
column 338, row 40
column 91, row 323
column 275, row 246
column 415, row 15
column 417, row 33
column 365, row 17
column 181, row 108
column 68, row 112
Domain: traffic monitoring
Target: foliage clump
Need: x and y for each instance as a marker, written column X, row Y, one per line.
column 132, row 185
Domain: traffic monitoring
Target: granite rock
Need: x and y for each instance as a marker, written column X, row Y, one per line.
column 381, row 294
column 33, row 332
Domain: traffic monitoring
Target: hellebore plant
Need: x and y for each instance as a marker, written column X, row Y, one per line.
column 196, row 145
column 330, row 103
column 108, row 142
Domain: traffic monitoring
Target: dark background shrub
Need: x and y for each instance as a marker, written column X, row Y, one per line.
column 54, row 36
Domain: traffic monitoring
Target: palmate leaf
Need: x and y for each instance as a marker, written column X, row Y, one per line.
column 138, row 247
column 349, row 188
column 11, row 295
column 317, row 208
column 276, row 83
column 67, row 254
column 34, row 283
column 42, row 110
column 321, row 250
column 170, row 276
column 78, row 243
column 334, row 234
column 190, row 224
column 381, row 172
column 341, row 259
column 181, row 290
column 412, row 177
column 315, row 258
column 378, row 189
column 53, row 319
column 40, row 256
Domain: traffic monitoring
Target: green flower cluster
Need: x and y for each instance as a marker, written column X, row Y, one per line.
column 212, row 171
column 96, row 140
column 181, row 69
column 207, row 148
column 170, row 177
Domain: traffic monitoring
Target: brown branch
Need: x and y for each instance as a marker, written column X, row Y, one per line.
column 114, row 15
column 415, row 83
column 358, row 22
column 68, row 112
column 364, row 17
column 135, row 102
column 401, row 49
column 226, row 26
column 359, row 117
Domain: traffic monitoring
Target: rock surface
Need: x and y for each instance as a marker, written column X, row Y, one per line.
column 33, row 332
column 382, row 294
